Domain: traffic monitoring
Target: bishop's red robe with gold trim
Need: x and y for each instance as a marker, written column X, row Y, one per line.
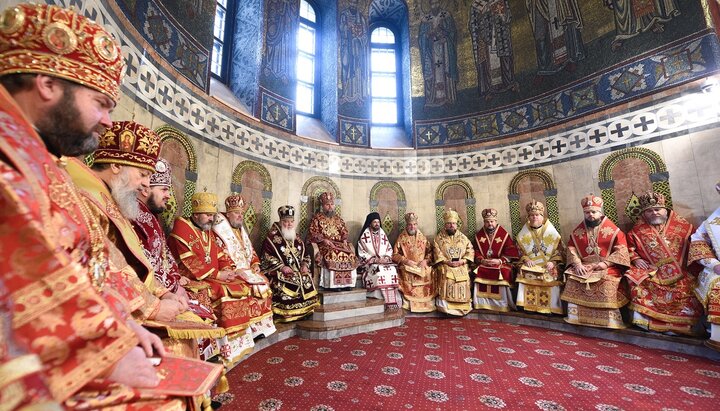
column 201, row 258
column 499, row 245
column 663, row 293
column 53, row 267
column 600, row 290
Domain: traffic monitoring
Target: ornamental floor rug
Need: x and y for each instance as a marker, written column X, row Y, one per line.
column 466, row 364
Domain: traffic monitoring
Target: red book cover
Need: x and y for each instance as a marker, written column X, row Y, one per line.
column 184, row 376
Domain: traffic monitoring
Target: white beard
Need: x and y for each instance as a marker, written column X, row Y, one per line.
column 289, row 234
column 125, row 197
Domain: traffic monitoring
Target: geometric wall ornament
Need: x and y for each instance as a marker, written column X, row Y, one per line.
column 310, row 204
column 457, row 195
column 388, row 199
column 277, row 111
column 177, row 149
column 530, row 185
column 252, row 180
column 355, row 132
column 629, row 173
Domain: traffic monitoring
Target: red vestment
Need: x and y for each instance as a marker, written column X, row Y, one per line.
column 497, row 245
column 201, row 258
column 597, row 296
column 663, row 293
column 53, row 266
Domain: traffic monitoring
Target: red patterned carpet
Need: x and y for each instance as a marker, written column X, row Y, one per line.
column 453, row 364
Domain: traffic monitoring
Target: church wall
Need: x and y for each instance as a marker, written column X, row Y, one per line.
column 533, row 83
column 687, row 146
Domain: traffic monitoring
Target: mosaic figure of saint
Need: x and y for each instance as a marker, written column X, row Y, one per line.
column 556, row 28
column 633, row 17
column 438, row 54
column 354, row 55
column 279, row 35
column 489, row 27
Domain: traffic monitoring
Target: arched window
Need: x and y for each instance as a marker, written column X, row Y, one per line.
column 221, row 39
column 308, row 44
column 384, row 84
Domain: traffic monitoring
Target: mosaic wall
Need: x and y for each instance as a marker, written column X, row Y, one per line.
column 246, row 53
column 353, row 31
column 495, row 78
column 179, row 31
column 329, row 76
column 602, row 62
column 277, row 70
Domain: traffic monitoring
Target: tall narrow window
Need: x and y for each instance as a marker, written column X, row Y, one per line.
column 306, row 100
column 218, row 64
column 383, row 76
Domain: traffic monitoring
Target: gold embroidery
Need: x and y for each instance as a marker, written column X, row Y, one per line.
column 34, row 300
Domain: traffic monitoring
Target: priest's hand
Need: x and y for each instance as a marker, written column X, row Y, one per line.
column 530, row 263
column 642, row 264
column 175, row 297
column 549, row 266
column 149, row 342
column 422, row 264
column 411, row 262
column 226, row 275
column 169, row 309
column 135, row 370
column 581, row 270
column 183, row 297
column 286, row 270
column 716, row 269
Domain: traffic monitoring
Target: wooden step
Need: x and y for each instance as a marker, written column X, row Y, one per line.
column 323, row 330
column 334, row 297
column 329, row 312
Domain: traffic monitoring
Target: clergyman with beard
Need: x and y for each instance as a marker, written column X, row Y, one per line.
column 379, row 273
column 413, row 255
column 597, row 256
column 122, row 165
column 661, row 283
column 152, row 201
column 705, row 250
column 286, row 262
column 335, row 256
column 229, row 228
column 541, row 250
column 201, row 258
column 494, row 252
column 453, row 253
column 54, row 105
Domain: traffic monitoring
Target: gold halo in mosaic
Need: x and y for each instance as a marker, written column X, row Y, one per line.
column 11, row 20
column 59, row 38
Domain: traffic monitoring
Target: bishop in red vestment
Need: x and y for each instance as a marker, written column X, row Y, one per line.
column 494, row 252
